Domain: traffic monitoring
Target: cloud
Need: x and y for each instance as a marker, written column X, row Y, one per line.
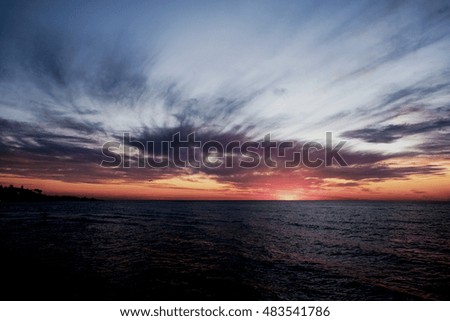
column 378, row 172
column 28, row 149
column 390, row 133
column 63, row 67
column 75, row 75
column 436, row 145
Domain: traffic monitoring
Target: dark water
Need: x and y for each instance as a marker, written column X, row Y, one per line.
column 225, row 251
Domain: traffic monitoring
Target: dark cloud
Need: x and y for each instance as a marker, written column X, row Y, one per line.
column 81, row 126
column 378, row 172
column 412, row 94
column 17, row 137
column 361, row 165
column 65, row 65
column 117, row 79
column 203, row 112
column 32, row 131
column 349, row 184
column 406, row 101
column 437, row 145
column 28, row 150
column 391, row 133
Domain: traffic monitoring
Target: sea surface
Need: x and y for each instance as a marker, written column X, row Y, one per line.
column 262, row 250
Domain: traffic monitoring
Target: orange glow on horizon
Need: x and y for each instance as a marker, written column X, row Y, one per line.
column 201, row 187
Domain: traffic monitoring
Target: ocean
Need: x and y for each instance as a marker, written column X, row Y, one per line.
column 225, row 250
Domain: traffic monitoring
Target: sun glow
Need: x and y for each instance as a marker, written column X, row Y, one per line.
column 286, row 196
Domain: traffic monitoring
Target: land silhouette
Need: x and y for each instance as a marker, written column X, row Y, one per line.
column 20, row 194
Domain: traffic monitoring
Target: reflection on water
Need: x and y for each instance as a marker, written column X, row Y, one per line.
column 225, row 250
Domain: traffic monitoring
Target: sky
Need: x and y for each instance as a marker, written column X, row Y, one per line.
column 376, row 74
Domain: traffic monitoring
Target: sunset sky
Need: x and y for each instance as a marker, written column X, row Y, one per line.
column 77, row 74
